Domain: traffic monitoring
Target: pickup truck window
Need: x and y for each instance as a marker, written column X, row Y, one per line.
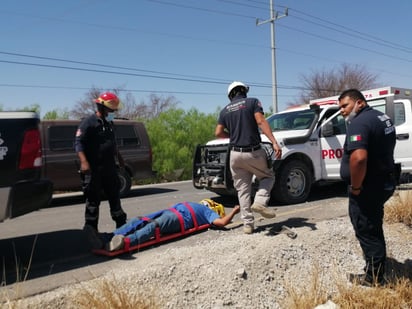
column 62, row 137
column 126, row 136
column 297, row 120
column 399, row 114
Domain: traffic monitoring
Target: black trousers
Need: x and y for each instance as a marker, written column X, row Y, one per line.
column 366, row 214
column 100, row 181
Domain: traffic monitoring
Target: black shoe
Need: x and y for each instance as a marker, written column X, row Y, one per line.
column 367, row 280
column 93, row 236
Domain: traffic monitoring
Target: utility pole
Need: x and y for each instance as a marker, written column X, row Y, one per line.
column 273, row 16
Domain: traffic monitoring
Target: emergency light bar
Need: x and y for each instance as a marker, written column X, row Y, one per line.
column 369, row 94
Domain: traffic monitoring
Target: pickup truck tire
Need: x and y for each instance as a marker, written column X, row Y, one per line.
column 125, row 182
column 293, row 183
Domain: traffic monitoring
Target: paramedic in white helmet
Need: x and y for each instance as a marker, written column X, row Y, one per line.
column 95, row 144
column 240, row 121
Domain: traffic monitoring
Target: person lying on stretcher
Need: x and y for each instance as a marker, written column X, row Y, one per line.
column 141, row 229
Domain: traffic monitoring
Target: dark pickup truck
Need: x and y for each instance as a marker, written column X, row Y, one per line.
column 61, row 163
column 22, row 189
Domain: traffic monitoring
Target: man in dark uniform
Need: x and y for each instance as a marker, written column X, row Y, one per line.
column 95, row 145
column 240, row 121
column 368, row 167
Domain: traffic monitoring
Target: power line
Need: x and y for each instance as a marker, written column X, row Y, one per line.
column 366, row 36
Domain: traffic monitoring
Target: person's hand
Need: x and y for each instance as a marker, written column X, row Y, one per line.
column 84, row 167
column 277, row 150
column 355, row 192
column 236, row 209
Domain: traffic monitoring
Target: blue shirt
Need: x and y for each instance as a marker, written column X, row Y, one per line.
column 204, row 215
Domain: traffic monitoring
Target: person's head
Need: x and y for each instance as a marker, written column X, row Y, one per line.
column 107, row 103
column 216, row 207
column 237, row 88
column 351, row 101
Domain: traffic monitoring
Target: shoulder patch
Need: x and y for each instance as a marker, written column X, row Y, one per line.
column 355, row 138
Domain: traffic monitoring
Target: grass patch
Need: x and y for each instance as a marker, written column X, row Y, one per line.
column 396, row 294
column 399, row 208
column 113, row 295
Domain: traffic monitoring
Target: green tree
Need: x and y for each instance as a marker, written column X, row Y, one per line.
column 174, row 135
column 56, row 114
column 30, row 108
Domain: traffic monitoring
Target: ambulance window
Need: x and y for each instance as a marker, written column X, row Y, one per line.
column 339, row 125
column 399, row 112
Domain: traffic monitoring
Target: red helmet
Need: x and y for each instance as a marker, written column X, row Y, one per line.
column 109, row 100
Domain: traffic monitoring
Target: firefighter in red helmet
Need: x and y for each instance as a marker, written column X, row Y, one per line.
column 95, row 144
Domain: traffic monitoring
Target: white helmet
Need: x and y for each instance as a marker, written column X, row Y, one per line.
column 234, row 85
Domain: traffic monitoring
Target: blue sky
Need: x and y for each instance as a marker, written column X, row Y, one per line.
column 52, row 52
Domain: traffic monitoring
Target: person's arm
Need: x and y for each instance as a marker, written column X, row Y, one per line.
column 357, row 165
column 221, row 222
column 265, row 127
column 84, row 164
column 221, row 132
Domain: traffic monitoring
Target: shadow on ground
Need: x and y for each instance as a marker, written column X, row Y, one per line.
column 78, row 198
column 33, row 256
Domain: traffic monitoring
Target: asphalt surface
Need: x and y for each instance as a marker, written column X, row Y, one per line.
column 47, row 249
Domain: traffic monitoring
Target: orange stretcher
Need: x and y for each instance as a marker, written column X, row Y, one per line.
column 158, row 238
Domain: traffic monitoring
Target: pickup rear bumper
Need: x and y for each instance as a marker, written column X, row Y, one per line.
column 24, row 197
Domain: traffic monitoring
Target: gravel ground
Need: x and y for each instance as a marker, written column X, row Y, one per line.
column 233, row 270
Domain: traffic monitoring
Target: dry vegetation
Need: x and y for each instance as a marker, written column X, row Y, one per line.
column 397, row 294
column 113, row 295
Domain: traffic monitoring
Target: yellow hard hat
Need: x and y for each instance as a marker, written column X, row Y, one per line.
column 215, row 206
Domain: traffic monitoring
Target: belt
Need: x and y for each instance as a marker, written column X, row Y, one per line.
column 246, row 149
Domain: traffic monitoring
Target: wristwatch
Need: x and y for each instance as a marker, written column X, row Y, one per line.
column 355, row 189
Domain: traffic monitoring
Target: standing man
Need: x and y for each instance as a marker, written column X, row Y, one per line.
column 240, row 121
column 368, row 167
column 96, row 147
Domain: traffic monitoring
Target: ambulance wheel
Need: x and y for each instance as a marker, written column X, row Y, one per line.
column 292, row 183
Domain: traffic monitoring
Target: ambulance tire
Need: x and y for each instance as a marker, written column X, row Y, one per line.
column 293, row 183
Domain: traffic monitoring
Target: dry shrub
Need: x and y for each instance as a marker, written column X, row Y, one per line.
column 113, row 295
column 395, row 295
column 306, row 296
column 392, row 296
column 399, row 208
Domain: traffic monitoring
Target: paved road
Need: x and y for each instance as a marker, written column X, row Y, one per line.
column 47, row 249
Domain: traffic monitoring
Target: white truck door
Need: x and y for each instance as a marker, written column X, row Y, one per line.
column 332, row 138
column 403, row 124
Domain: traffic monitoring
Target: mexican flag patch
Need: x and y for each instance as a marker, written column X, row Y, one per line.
column 355, row 138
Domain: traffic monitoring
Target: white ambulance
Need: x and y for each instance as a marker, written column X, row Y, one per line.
column 312, row 140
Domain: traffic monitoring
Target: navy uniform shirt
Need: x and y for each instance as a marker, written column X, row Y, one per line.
column 95, row 137
column 238, row 117
column 375, row 132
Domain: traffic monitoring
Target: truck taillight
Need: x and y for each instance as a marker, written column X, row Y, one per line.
column 30, row 155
